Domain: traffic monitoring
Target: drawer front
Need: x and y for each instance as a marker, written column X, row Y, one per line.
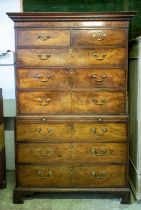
column 72, row 176
column 71, row 56
column 44, row 102
column 71, row 153
column 42, row 38
column 99, row 37
column 98, row 102
column 71, row 102
column 71, row 79
column 66, row 131
column 46, row 78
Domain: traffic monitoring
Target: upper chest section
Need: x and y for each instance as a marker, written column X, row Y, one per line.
column 70, row 29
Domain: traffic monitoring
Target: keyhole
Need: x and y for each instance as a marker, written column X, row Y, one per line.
column 71, row 71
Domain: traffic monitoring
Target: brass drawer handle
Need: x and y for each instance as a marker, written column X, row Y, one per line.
column 99, row 36
column 44, row 56
column 42, row 132
column 99, row 152
column 43, row 36
column 44, row 102
column 99, row 55
column 100, row 102
column 100, row 175
column 100, row 132
column 44, row 174
column 100, row 79
column 44, row 152
column 43, row 78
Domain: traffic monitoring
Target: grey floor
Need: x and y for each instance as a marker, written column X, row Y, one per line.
column 47, row 203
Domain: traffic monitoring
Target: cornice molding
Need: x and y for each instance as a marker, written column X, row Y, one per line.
column 69, row 16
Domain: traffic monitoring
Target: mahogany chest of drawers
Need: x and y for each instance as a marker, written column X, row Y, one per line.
column 2, row 146
column 72, row 121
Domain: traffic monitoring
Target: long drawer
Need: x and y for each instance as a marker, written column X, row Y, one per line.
column 72, row 176
column 71, row 57
column 53, row 102
column 73, row 78
column 53, row 130
column 44, row 153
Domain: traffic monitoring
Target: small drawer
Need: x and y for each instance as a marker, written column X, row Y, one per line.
column 42, row 38
column 100, row 102
column 72, row 176
column 71, row 57
column 75, row 153
column 42, row 129
column 99, row 37
column 43, row 102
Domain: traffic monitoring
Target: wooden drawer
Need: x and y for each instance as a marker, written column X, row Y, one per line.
column 53, row 130
column 71, row 57
column 75, row 153
column 71, row 102
column 72, row 176
column 43, row 38
column 99, row 37
column 63, row 79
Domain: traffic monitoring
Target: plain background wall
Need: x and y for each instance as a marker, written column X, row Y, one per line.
column 7, row 82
